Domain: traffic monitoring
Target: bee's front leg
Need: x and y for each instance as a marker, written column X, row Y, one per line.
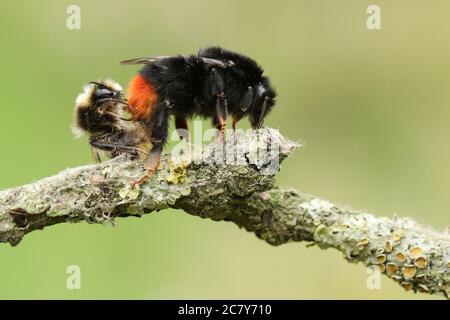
column 245, row 103
column 152, row 163
column 157, row 127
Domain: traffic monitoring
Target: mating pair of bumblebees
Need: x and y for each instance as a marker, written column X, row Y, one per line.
column 212, row 83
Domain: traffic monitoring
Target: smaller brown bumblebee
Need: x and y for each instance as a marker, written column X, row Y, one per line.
column 98, row 113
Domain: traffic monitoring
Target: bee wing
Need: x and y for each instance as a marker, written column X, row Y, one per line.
column 145, row 60
column 208, row 61
column 217, row 63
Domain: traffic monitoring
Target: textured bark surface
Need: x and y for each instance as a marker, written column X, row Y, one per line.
column 232, row 182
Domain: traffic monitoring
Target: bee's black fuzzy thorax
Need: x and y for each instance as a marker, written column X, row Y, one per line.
column 191, row 86
column 246, row 75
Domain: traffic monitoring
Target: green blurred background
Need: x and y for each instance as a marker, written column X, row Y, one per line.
column 372, row 107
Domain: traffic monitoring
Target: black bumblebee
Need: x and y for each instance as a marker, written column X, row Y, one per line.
column 213, row 83
column 98, row 112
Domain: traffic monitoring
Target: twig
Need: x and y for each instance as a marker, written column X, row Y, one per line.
column 232, row 182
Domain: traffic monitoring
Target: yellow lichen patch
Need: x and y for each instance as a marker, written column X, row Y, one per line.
column 176, row 174
column 420, row 262
column 409, row 271
column 391, row 268
column 406, row 285
column 398, row 234
column 175, row 177
column 400, row 256
column 388, row 246
column 135, row 210
column 130, row 193
column 381, row 258
column 448, row 264
column 363, row 242
column 381, row 267
column 123, row 193
column 133, row 193
column 177, row 170
column 415, row 252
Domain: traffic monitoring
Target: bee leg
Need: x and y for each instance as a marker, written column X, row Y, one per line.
column 159, row 128
column 221, row 109
column 96, row 155
column 152, row 163
column 99, row 144
column 259, row 108
column 245, row 104
column 181, row 126
column 236, row 119
column 246, row 100
column 262, row 114
column 216, row 86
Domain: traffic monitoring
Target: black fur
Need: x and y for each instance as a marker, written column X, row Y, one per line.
column 188, row 86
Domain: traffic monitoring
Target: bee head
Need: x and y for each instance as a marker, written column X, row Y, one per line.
column 97, row 108
column 105, row 92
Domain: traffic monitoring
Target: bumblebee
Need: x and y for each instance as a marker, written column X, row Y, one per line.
column 213, row 83
column 98, row 111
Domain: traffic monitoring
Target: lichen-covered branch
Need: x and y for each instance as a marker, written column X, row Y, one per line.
column 232, row 182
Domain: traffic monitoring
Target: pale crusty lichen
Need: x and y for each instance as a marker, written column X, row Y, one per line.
column 397, row 244
column 98, row 193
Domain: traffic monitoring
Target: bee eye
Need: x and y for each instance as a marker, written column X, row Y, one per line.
column 104, row 93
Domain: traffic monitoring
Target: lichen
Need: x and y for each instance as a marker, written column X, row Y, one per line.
column 129, row 193
column 408, row 263
column 135, row 210
column 177, row 169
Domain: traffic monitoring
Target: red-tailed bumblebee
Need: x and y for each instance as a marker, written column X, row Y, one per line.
column 213, row 83
column 98, row 111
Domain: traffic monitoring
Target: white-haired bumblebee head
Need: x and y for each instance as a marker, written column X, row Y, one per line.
column 96, row 89
column 98, row 107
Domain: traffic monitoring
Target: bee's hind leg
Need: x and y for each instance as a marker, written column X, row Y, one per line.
column 152, row 164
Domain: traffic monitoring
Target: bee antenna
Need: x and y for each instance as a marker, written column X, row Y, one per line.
column 97, row 83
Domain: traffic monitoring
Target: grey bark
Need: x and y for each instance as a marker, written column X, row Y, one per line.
column 232, row 182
